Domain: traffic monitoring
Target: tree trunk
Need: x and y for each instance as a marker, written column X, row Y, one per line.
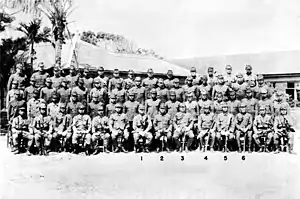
column 31, row 57
column 58, row 49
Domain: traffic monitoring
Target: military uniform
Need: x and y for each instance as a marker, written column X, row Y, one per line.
column 149, row 83
column 56, row 81
column 64, row 95
column 251, row 106
column 81, row 93
column 141, row 127
column 162, row 124
column 202, row 103
column 81, row 129
column 169, row 84
column 113, row 82
column 120, row 95
column 53, row 109
column 190, row 89
column 40, row 78
column 205, row 88
column 46, row 93
column 103, row 80
column 119, row 125
column 42, row 130
column 72, row 108
column 88, row 82
column 268, row 104
column 262, row 126
column 13, row 107
column 278, row 104
column 172, row 108
column 100, row 130
column 72, row 79
column 240, row 89
column 110, row 109
column 140, row 93
column 28, row 93
column 233, row 106
column 11, row 95
column 219, row 89
column 217, row 107
column 131, row 109
column 163, row 94
column 243, row 127
column 20, row 128
column 101, row 93
column 152, row 107
column 206, row 127
column 178, row 90
column 93, row 108
column 192, row 108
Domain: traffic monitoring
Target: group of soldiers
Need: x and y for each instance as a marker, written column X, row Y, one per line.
column 223, row 112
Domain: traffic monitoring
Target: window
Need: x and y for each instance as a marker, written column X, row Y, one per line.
column 291, row 85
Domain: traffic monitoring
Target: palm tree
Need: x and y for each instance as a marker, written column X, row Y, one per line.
column 34, row 34
column 57, row 11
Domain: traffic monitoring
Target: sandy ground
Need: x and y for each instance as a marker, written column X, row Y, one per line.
column 127, row 176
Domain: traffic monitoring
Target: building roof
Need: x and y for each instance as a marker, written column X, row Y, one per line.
column 281, row 62
column 93, row 56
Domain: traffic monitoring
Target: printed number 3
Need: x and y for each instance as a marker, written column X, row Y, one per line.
column 225, row 157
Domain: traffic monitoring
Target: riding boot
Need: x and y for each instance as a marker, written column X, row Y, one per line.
column 189, row 143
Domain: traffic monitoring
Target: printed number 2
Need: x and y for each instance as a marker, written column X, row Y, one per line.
column 225, row 158
column 161, row 158
column 182, row 158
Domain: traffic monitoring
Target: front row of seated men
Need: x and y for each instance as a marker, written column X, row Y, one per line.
column 222, row 132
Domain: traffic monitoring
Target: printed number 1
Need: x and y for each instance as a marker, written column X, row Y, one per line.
column 141, row 158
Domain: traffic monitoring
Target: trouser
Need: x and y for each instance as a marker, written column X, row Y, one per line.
column 182, row 132
column 137, row 134
column 262, row 133
column 81, row 138
column 17, row 136
column 116, row 134
column 224, row 138
column 240, row 134
column 160, row 135
column 97, row 136
column 288, row 135
column 202, row 134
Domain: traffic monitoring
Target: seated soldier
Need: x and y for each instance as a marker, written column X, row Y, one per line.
column 118, row 125
column 183, row 127
column 263, row 127
column 142, row 126
column 41, row 128
column 163, row 128
column 224, row 128
column 20, row 131
column 283, row 129
column 100, row 130
column 206, row 128
column 243, row 127
column 82, row 130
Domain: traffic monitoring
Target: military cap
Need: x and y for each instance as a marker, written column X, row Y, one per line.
column 259, row 77
column 64, row 79
column 62, row 105
column 96, row 80
column 150, row 70
column 182, row 105
column 220, row 76
column 249, row 67
column 189, row 78
column 190, row 94
column 54, row 94
column 204, row 92
column 100, row 108
column 204, row 77
column 101, row 68
column 36, row 91
column 116, row 70
column 206, row 106
column 43, row 106
column 22, row 107
column 193, row 69
column 119, row 105
column 224, row 104
column 231, row 92
column 72, row 67
column 81, row 106
column 17, row 92
column 239, row 75
column 14, row 82
column 112, row 96
column 56, row 68
column 80, row 80
column 131, row 93
column 32, row 79
column 262, row 107
column 248, row 90
column 153, row 91
column 19, row 66
column 141, row 107
column 176, row 80
column 283, row 107
column 264, row 91
column 131, row 71
column 228, row 66
column 138, row 79
column 161, row 80
column 86, row 69
column 279, row 93
column 209, row 69
column 48, row 80
column 74, row 93
column 95, row 95
column 242, row 105
column 162, row 106
column 172, row 92
column 119, row 81
column 169, row 72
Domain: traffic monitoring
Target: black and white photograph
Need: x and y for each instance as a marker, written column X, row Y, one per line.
column 149, row 99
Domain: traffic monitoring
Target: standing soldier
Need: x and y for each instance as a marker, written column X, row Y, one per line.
column 251, row 103
column 249, row 77
column 196, row 79
column 261, row 86
column 240, row 87
column 162, row 91
column 211, row 78
column 233, row 103
column 130, row 79
column 93, row 106
column 19, row 76
column 178, row 90
column 142, row 126
column 262, row 127
column 183, row 124
column 53, row 107
column 279, row 102
column 118, row 125
column 283, row 129
column 11, row 94
column 82, row 130
column 229, row 77
column 169, row 81
column 162, row 124
column 172, row 105
column 149, row 83
column 131, row 108
column 73, row 104
column 139, row 90
column 87, row 80
column 56, row 78
column 224, row 128
column 72, row 77
column 100, row 130
column 28, row 92
column 33, row 105
column 97, row 90
column 266, row 102
column 113, row 81
column 204, row 101
column 40, row 76
column 190, row 88
column 205, row 87
column 152, row 104
column 46, row 92
column 14, row 105
column 243, row 127
column 206, row 127
column 102, row 79
column 19, row 129
column 220, row 87
column 119, row 91
column 64, row 92
column 42, row 130
column 111, row 107
column 81, row 91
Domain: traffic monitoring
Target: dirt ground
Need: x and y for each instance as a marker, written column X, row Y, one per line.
column 259, row 176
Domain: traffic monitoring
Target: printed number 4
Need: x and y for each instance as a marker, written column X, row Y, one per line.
column 205, row 158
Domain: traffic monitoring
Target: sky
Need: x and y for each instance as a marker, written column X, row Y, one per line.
column 195, row 28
